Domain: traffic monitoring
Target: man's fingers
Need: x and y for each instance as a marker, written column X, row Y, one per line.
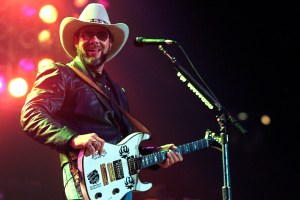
column 89, row 150
column 167, row 147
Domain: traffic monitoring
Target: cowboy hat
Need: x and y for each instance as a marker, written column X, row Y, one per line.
column 93, row 14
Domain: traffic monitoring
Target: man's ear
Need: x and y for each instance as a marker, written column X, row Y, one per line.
column 110, row 45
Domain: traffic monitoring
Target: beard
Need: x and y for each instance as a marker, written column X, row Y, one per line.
column 91, row 62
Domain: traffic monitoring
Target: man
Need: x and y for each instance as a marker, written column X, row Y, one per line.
column 67, row 114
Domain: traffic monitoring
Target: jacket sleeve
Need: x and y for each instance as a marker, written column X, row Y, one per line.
column 42, row 103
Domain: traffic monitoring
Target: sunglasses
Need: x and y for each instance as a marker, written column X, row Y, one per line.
column 102, row 35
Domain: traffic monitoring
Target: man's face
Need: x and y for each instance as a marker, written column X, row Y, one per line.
column 92, row 45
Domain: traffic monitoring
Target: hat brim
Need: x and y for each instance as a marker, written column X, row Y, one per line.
column 70, row 25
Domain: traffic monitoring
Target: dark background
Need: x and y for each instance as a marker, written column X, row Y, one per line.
column 246, row 53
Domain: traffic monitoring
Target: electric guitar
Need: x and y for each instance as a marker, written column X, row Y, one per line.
column 115, row 172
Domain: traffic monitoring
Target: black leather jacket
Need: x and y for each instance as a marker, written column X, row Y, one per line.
column 62, row 105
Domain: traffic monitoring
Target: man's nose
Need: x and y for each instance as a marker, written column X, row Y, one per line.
column 94, row 38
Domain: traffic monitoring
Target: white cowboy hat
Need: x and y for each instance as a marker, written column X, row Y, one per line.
column 93, row 14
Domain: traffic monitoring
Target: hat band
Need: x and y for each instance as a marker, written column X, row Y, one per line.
column 100, row 21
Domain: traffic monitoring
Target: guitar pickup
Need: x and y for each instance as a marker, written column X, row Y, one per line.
column 104, row 174
column 132, row 165
column 118, row 169
column 111, row 172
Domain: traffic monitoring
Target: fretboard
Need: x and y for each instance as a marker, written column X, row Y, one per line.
column 159, row 157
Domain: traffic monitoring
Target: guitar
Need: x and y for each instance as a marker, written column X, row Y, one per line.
column 115, row 172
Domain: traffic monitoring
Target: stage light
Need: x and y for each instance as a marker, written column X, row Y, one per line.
column 105, row 3
column 45, row 38
column 44, row 61
column 2, row 84
column 17, row 87
column 28, row 10
column 242, row 116
column 265, row 120
column 48, row 14
column 80, row 3
column 26, row 64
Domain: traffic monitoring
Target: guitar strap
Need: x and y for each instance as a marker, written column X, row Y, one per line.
column 134, row 121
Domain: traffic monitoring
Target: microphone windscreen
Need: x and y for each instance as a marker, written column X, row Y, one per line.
column 138, row 41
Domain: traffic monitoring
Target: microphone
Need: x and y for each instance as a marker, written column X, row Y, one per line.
column 140, row 41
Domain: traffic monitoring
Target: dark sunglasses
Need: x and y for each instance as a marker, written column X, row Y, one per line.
column 102, row 35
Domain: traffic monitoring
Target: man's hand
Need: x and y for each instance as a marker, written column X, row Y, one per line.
column 90, row 142
column 173, row 157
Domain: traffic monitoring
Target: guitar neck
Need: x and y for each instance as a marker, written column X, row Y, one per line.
column 161, row 156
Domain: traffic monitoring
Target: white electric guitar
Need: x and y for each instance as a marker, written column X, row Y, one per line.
column 115, row 172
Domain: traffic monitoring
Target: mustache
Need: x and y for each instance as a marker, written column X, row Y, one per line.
column 93, row 45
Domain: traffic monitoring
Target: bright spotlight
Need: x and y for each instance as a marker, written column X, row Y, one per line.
column 17, row 87
column 45, row 37
column 265, row 120
column 48, row 14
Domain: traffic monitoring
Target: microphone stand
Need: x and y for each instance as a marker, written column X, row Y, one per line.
column 222, row 120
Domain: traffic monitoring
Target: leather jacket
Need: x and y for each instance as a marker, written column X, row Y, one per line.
column 62, row 105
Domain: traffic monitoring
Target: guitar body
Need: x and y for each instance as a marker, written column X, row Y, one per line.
column 111, row 175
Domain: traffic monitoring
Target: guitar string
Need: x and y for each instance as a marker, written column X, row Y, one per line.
column 180, row 149
column 139, row 160
column 136, row 162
